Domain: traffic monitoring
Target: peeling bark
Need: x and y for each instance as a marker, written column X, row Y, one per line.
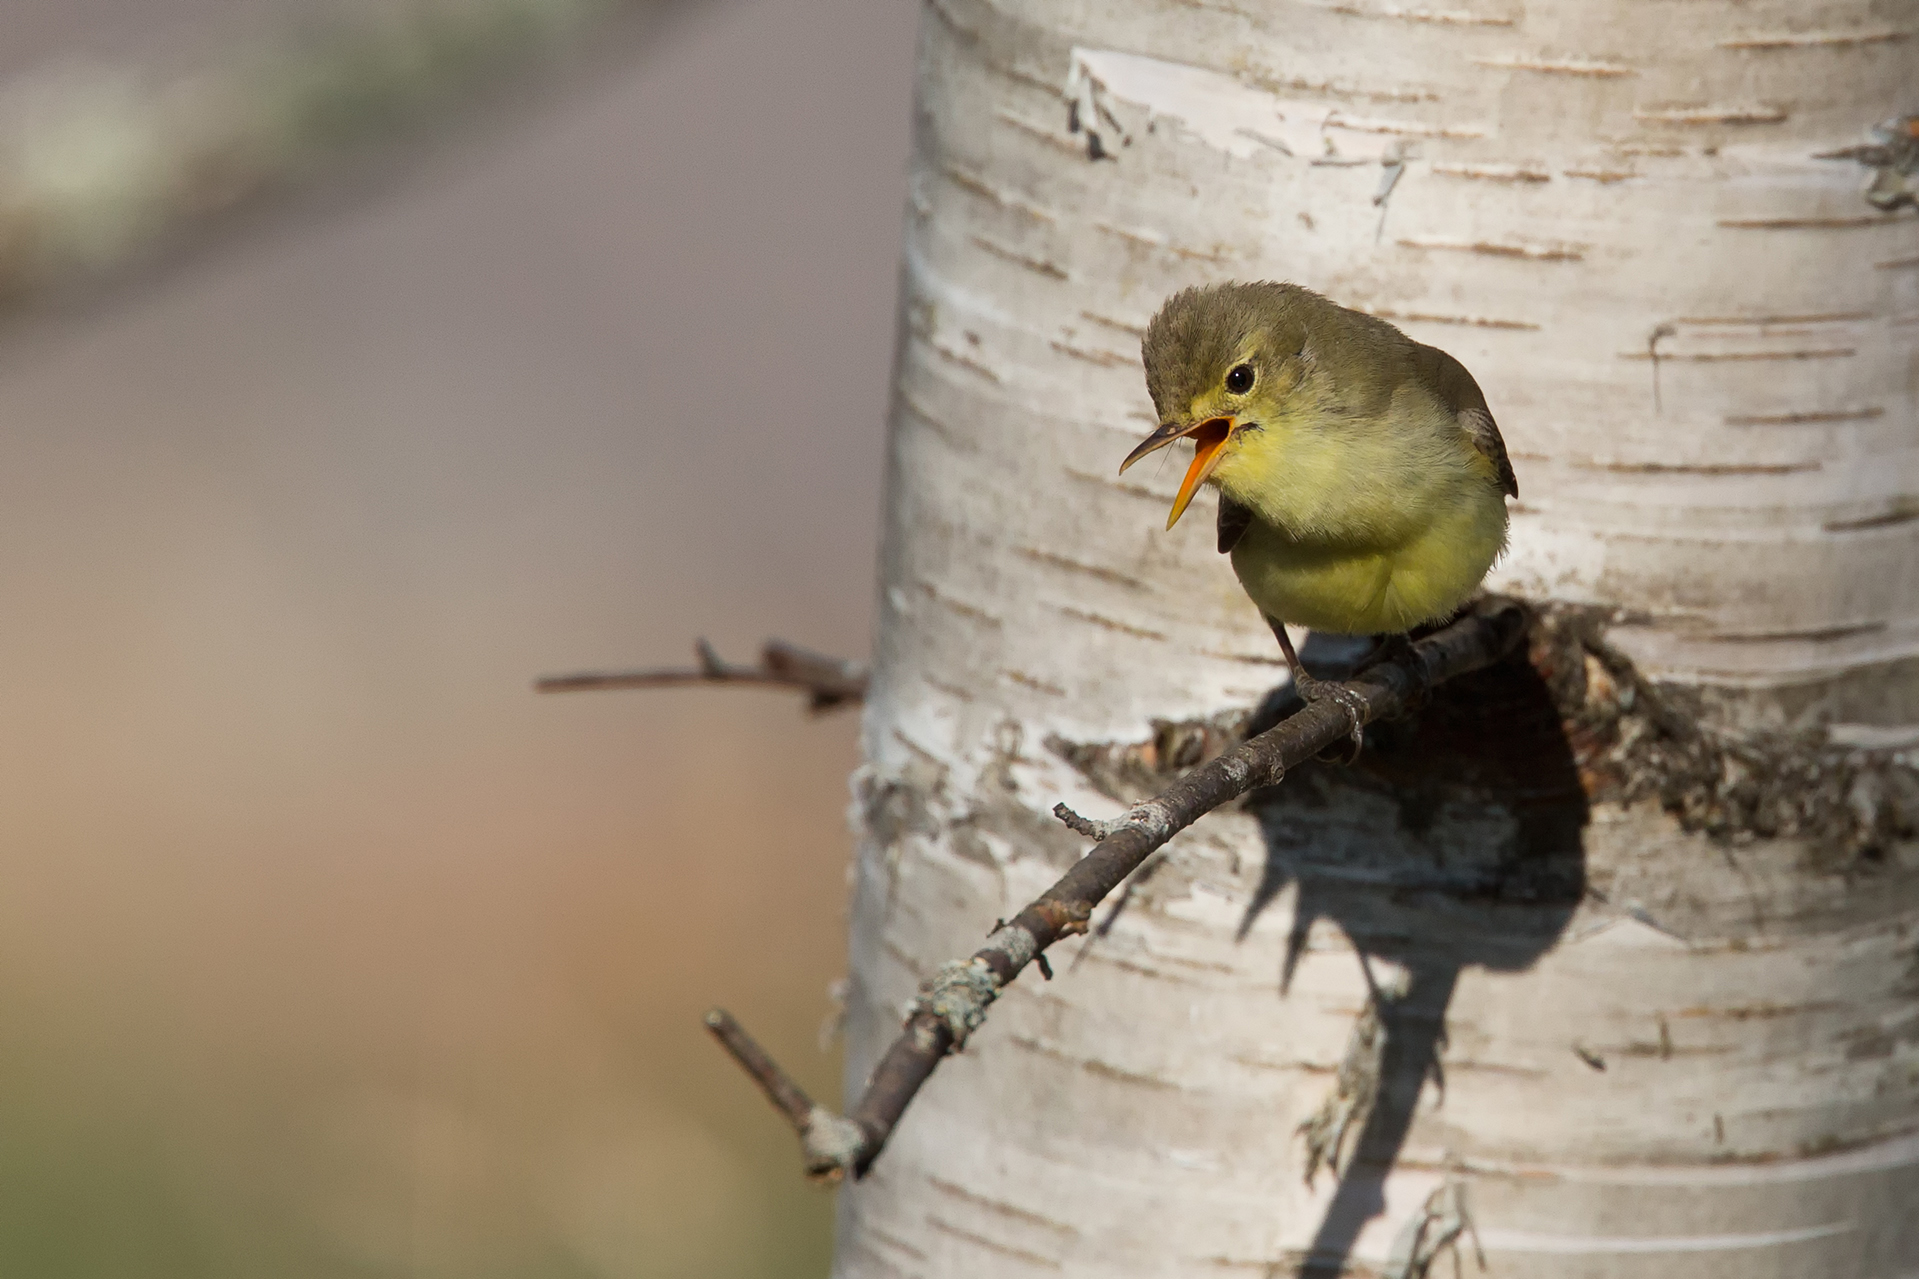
column 1633, row 922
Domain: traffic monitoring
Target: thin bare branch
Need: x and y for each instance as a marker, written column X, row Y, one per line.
column 953, row 1003
column 786, row 1096
column 827, row 682
column 830, row 1142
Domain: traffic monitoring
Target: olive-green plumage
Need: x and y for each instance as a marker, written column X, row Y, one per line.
column 1362, row 478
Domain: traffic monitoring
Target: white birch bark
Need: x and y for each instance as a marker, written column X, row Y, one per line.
column 1699, row 342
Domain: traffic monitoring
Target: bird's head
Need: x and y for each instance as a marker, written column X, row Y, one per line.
column 1224, row 362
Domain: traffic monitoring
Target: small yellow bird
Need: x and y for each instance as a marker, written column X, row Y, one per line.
column 1361, row 476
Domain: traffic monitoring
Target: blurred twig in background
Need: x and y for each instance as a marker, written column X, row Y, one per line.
column 828, row 682
column 100, row 171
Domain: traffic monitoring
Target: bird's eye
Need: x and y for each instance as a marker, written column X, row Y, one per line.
column 1240, row 379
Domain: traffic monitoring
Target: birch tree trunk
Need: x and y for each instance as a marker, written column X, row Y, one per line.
column 1610, row 954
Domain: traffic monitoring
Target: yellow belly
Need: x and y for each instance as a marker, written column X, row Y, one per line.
column 1364, row 589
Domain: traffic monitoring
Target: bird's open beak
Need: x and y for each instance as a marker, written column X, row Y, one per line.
column 1209, row 446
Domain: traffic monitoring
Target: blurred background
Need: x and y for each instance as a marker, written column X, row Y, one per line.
column 326, row 944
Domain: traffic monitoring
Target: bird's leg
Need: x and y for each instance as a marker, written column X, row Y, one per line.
column 1314, row 690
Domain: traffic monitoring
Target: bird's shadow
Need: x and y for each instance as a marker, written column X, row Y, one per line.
column 1455, row 839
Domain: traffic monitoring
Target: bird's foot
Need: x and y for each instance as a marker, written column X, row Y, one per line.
column 1314, row 690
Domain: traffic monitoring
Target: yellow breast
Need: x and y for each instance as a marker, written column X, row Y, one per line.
column 1367, row 527
column 1367, row 589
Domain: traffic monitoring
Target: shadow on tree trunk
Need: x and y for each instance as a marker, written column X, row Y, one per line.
column 1455, row 840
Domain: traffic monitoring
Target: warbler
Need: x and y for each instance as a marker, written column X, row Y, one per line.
column 1363, row 482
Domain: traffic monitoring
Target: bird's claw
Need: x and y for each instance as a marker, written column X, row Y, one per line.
column 1312, row 690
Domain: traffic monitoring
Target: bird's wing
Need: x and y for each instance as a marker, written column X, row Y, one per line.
column 1480, row 428
column 1455, row 387
column 1234, row 520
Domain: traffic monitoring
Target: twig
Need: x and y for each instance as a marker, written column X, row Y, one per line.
column 779, row 1087
column 828, row 682
column 953, row 1003
column 1087, row 827
column 827, row 1139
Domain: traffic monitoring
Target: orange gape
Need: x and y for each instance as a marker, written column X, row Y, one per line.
column 1209, row 438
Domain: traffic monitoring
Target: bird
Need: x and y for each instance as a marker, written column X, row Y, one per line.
column 1362, row 478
